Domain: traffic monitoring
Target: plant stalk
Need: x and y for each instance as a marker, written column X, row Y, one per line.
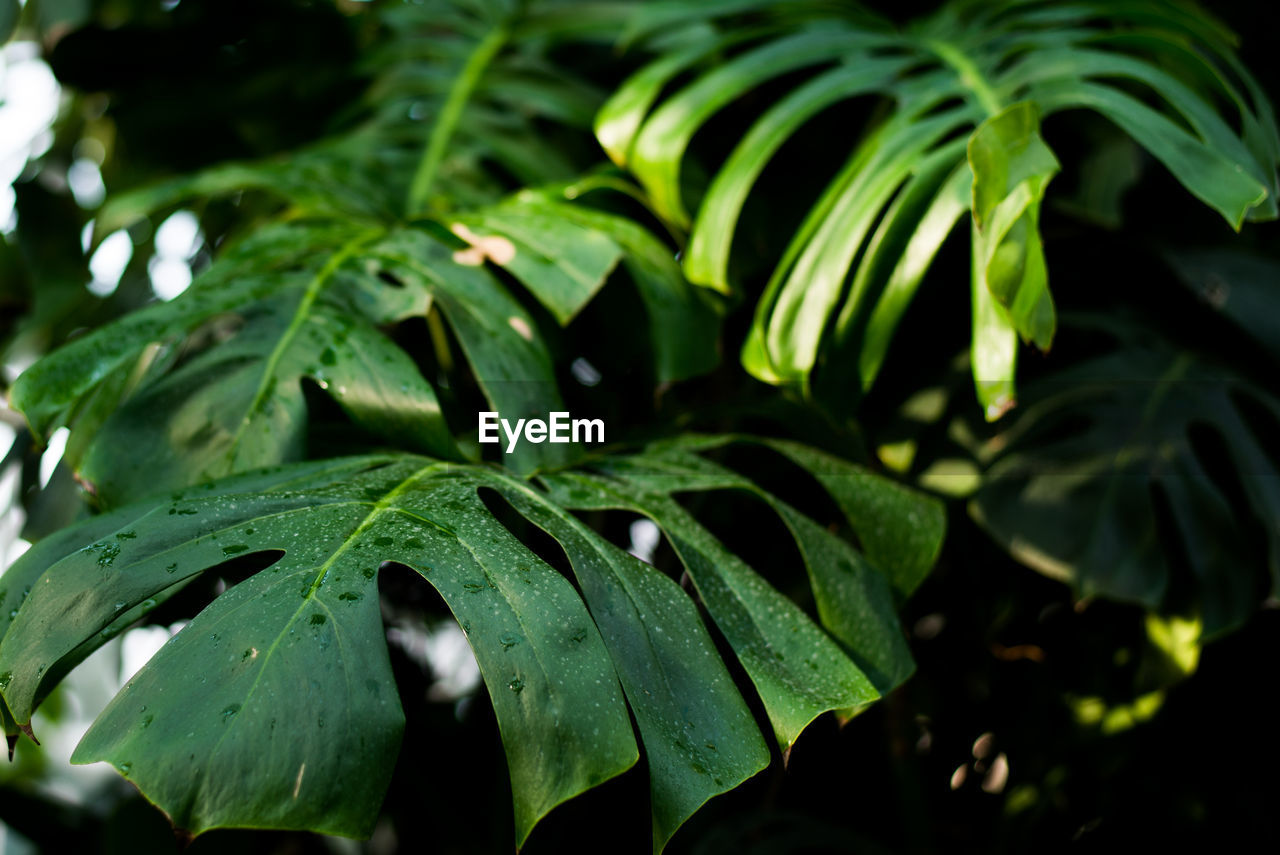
column 969, row 74
column 450, row 115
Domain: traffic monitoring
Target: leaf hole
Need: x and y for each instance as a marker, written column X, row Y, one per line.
column 390, row 278
column 537, row 541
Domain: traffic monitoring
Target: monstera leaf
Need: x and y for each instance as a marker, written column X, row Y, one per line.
column 213, row 382
column 964, row 94
column 1144, row 475
column 275, row 707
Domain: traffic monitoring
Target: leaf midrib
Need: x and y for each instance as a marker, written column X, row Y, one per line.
column 300, row 315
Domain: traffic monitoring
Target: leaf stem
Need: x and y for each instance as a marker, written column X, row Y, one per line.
column 447, row 122
column 968, row 73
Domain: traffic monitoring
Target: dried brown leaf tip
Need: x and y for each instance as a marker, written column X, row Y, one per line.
column 496, row 248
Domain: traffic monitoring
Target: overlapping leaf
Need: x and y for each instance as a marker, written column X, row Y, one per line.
column 985, row 72
column 1144, row 475
column 309, row 297
column 275, row 707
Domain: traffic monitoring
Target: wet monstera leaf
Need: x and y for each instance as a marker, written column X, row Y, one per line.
column 313, row 290
column 275, row 706
column 1144, row 475
column 212, row 383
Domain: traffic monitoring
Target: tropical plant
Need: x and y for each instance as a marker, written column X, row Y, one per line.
column 300, row 421
column 964, row 93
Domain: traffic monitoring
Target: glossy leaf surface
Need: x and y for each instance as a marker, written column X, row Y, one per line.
column 290, row 664
column 1166, row 77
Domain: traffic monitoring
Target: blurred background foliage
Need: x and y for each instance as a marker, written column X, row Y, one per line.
column 1040, row 717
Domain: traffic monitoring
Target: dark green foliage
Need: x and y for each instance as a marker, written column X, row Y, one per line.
column 409, row 219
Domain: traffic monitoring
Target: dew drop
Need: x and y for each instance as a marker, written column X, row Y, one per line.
column 516, row 685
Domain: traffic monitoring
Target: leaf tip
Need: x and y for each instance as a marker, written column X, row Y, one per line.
column 31, row 734
column 1001, row 405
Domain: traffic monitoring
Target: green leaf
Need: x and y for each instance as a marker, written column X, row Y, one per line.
column 683, row 325
column 1239, row 286
column 619, row 120
column 1211, row 177
column 1011, row 168
column 798, row 671
column 239, row 405
column 562, row 263
column 1005, row 153
column 660, row 145
column 707, row 260
column 282, row 683
column 1007, row 65
column 507, row 351
column 797, row 319
column 699, row 736
column 1086, row 501
column 993, row 347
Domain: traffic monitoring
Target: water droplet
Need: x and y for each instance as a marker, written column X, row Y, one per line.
column 509, row 641
column 234, row 549
column 126, row 535
column 317, row 619
column 120, row 605
column 5, row 679
column 171, row 568
column 414, row 543
column 473, row 587
column 350, row 596
column 516, row 685
column 383, row 541
column 109, row 553
column 328, row 357
column 147, row 719
column 580, row 635
column 229, row 711
column 125, row 768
